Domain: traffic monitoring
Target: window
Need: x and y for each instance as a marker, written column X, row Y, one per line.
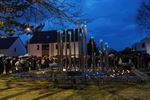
column 45, row 47
column 38, row 47
column 56, row 46
column 15, row 50
column 143, row 45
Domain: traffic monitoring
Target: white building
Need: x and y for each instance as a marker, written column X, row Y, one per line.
column 45, row 44
column 143, row 45
column 12, row 46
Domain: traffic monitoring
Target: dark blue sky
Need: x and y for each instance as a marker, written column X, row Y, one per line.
column 113, row 21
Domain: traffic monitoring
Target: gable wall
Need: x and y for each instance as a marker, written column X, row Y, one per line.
column 20, row 49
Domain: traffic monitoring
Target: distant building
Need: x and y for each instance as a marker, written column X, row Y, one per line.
column 143, row 45
column 45, row 44
column 12, row 46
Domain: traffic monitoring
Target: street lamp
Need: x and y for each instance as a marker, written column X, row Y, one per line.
column 28, row 30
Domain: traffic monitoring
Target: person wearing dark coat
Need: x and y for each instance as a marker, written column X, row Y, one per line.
column 1, row 66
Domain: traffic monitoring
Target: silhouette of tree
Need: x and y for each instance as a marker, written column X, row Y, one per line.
column 16, row 15
column 143, row 16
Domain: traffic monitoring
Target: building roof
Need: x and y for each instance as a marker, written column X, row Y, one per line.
column 5, row 43
column 145, row 39
column 51, row 36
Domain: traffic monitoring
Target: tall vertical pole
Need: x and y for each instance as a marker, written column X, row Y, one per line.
column 28, row 43
column 66, row 49
column 70, row 49
column 101, row 53
column 74, row 39
column 81, row 50
column 79, row 56
column 58, row 48
column 92, row 45
column 61, row 50
column 106, row 55
column 84, row 45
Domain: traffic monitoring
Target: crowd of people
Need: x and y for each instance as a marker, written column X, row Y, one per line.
column 17, row 64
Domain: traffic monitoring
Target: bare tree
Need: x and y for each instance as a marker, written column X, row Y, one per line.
column 16, row 15
column 143, row 16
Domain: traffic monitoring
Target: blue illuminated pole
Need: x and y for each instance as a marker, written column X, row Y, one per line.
column 81, row 50
column 85, row 45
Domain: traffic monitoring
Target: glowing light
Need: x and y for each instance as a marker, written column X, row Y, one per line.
column 128, row 71
column 61, row 32
column 112, row 76
column 69, row 33
column 64, row 69
column 117, row 73
column 101, row 40
column 28, row 29
column 92, row 37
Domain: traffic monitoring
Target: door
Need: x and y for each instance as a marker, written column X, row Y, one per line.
column 45, row 49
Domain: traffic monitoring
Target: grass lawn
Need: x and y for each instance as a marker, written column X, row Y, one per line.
column 25, row 89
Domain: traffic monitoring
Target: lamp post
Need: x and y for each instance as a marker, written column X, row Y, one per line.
column 28, row 30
